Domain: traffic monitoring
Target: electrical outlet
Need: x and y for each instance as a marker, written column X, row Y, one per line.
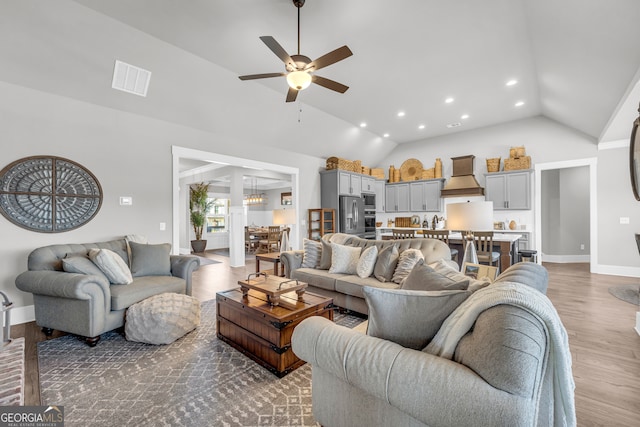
column 582, row 247
column 624, row 220
column 163, row 226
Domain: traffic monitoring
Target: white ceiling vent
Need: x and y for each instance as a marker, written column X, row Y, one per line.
column 129, row 78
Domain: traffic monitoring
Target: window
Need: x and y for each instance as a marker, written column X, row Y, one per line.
column 218, row 216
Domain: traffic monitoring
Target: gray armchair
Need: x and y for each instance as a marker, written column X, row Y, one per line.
column 88, row 305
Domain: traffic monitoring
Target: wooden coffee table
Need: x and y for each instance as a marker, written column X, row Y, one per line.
column 263, row 331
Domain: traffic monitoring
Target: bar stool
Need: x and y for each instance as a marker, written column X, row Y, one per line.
column 528, row 255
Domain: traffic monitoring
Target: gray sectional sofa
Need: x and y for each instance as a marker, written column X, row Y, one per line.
column 504, row 370
column 346, row 289
column 86, row 304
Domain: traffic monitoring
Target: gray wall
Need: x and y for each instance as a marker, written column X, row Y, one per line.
column 565, row 211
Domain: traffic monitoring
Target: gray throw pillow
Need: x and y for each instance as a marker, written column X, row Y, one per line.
column 312, row 253
column 386, row 263
column 408, row 259
column 150, row 260
column 112, row 265
column 409, row 318
column 425, row 278
column 81, row 265
column 325, row 256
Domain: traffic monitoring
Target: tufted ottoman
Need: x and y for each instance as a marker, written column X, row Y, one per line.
column 162, row 319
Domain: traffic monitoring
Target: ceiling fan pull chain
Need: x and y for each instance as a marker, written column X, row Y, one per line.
column 299, row 113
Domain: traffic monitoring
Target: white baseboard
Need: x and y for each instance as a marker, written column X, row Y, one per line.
column 565, row 259
column 21, row 315
column 637, row 328
column 617, row 270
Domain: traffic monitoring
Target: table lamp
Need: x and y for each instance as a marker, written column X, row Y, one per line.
column 284, row 217
column 469, row 217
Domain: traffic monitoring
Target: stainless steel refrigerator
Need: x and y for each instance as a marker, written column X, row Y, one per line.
column 352, row 215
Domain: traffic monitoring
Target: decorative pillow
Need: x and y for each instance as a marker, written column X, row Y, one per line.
column 82, row 265
column 386, row 263
column 325, row 256
column 344, row 259
column 445, row 269
column 409, row 318
column 133, row 238
column 425, row 278
column 112, row 265
column 150, row 260
column 408, row 258
column 312, row 252
column 367, row 262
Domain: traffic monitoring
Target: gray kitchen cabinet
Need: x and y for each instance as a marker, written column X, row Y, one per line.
column 509, row 190
column 368, row 184
column 425, row 196
column 380, row 195
column 397, row 197
column 349, row 184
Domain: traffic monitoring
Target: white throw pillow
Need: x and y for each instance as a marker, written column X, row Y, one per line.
column 344, row 259
column 367, row 262
column 408, row 259
column 312, row 252
column 112, row 265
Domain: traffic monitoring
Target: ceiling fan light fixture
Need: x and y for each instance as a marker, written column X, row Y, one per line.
column 299, row 80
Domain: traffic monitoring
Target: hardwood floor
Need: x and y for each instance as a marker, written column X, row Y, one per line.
column 604, row 346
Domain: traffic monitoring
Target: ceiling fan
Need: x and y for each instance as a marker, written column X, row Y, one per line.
column 300, row 68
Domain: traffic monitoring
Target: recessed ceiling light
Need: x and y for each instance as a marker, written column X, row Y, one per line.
column 449, row 100
column 464, row 116
column 512, row 82
column 519, row 103
column 454, row 125
column 421, row 127
column 401, row 113
column 386, row 135
column 363, row 125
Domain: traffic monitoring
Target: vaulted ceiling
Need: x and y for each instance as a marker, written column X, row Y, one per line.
column 575, row 61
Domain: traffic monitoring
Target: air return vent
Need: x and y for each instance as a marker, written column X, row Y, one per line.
column 131, row 79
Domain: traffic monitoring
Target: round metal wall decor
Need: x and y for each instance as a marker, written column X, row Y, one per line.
column 48, row 194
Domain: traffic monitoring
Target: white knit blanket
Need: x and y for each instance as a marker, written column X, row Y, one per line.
column 536, row 303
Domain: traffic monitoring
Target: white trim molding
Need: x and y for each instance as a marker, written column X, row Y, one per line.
column 566, row 259
column 611, row 145
column 23, row 314
column 592, row 163
column 617, row 270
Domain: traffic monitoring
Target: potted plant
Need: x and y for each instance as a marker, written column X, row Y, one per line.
column 198, row 208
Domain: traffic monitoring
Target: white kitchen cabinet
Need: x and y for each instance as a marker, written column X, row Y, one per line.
column 397, row 197
column 425, row 195
column 380, row 196
column 368, row 184
column 349, row 184
column 509, row 190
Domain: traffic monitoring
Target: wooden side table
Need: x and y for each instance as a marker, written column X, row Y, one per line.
column 274, row 257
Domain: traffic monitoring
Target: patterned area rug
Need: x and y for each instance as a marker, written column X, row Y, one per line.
column 12, row 373
column 627, row 293
column 196, row 381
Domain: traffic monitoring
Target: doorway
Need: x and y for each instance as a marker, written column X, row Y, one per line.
column 562, row 167
column 180, row 222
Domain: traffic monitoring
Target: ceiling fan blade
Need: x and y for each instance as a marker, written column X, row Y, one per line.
column 329, row 84
column 278, row 50
column 330, row 58
column 292, row 94
column 261, row 76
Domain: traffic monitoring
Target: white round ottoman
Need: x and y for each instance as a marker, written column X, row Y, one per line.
column 162, row 319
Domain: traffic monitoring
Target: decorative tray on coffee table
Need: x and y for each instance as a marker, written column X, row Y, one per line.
column 272, row 286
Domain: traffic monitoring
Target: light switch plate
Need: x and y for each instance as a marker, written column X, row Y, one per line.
column 624, row 220
column 163, row 226
column 126, row 200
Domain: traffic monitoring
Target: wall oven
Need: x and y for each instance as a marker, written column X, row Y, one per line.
column 369, row 223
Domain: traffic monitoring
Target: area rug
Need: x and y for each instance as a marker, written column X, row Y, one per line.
column 627, row 293
column 196, row 381
column 12, row 373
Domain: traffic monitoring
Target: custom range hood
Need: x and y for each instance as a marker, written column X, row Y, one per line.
column 462, row 182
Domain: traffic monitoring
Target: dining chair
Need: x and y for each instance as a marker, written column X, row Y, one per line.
column 484, row 245
column 403, row 234
column 250, row 243
column 273, row 239
column 441, row 235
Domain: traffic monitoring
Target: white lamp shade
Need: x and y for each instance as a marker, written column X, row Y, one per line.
column 284, row 216
column 470, row 216
column 299, row 79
